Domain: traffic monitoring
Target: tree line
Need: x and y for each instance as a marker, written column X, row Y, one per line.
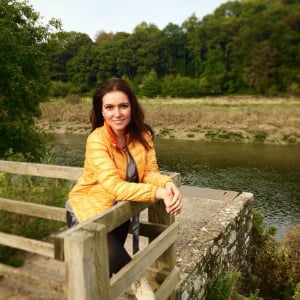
column 246, row 46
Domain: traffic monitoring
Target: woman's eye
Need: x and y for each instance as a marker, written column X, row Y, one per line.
column 125, row 105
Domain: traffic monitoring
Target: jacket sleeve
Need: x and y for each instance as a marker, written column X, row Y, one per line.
column 152, row 174
column 104, row 169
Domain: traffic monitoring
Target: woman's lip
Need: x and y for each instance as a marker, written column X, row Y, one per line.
column 118, row 121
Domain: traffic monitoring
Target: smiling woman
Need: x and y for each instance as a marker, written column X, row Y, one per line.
column 120, row 163
column 117, row 113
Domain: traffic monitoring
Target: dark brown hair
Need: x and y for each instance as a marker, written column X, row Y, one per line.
column 137, row 127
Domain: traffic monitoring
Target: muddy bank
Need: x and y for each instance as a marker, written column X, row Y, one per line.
column 239, row 120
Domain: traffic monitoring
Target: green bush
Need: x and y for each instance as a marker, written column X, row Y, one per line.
column 224, row 286
column 275, row 265
column 60, row 89
column 179, row 86
column 150, row 86
column 45, row 191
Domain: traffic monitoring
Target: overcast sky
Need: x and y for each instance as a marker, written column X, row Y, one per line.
column 91, row 16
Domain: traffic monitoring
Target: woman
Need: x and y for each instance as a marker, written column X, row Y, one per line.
column 120, row 164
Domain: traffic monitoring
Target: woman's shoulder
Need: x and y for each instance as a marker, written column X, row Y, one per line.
column 98, row 135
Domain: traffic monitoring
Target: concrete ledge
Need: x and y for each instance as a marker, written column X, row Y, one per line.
column 214, row 237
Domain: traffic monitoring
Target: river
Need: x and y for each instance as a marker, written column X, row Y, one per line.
column 270, row 172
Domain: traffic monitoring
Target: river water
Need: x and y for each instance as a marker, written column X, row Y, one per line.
column 270, row 172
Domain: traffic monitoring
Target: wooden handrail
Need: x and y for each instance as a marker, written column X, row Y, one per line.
column 34, row 246
column 41, row 170
column 86, row 242
column 33, row 209
column 133, row 270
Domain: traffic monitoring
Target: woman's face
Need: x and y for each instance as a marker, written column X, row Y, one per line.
column 116, row 110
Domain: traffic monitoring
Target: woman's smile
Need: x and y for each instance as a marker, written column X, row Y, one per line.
column 116, row 110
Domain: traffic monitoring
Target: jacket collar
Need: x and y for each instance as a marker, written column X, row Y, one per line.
column 112, row 135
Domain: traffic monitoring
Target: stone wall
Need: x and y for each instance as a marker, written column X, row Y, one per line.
column 220, row 245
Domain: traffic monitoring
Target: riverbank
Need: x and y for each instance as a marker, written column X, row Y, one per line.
column 243, row 119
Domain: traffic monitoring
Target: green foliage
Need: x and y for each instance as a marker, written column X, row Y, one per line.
column 150, row 86
column 214, row 75
column 70, row 60
column 60, row 89
column 243, row 46
column 255, row 296
column 274, row 271
column 297, row 292
column 221, row 135
column 45, row 191
column 24, row 77
column 272, row 263
column 224, row 286
column 179, row 86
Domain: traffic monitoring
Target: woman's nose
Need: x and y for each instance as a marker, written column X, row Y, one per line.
column 117, row 111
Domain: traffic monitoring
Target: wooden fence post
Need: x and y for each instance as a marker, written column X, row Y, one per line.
column 157, row 214
column 87, row 267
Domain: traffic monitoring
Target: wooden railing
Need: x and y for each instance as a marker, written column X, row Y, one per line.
column 83, row 248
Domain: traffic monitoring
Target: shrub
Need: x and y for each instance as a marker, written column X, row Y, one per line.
column 150, row 87
column 224, row 286
column 60, row 89
column 46, row 191
column 180, row 86
column 274, row 265
column 291, row 241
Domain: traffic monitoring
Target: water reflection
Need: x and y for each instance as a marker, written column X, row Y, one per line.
column 271, row 173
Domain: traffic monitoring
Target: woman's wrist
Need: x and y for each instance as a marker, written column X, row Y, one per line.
column 159, row 193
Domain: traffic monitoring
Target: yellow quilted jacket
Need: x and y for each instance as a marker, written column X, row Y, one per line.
column 103, row 179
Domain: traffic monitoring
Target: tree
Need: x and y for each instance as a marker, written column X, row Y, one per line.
column 213, row 77
column 150, row 86
column 193, row 28
column 24, row 77
column 173, row 49
column 147, row 42
column 64, row 47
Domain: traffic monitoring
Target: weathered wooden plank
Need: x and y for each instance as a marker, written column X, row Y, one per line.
column 52, row 171
column 138, row 265
column 151, row 230
column 82, row 241
column 33, row 209
column 42, row 170
column 112, row 218
column 31, row 279
column 167, row 287
column 87, row 263
column 34, row 246
column 157, row 214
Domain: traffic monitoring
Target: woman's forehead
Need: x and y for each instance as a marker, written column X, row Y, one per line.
column 115, row 97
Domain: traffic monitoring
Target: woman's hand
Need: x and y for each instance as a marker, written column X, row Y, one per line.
column 172, row 198
column 176, row 205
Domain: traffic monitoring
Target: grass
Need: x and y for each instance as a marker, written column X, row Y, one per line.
column 246, row 119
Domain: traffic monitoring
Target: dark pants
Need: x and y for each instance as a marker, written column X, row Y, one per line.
column 118, row 256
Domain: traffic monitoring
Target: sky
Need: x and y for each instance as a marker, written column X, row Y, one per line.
column 92, row 16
